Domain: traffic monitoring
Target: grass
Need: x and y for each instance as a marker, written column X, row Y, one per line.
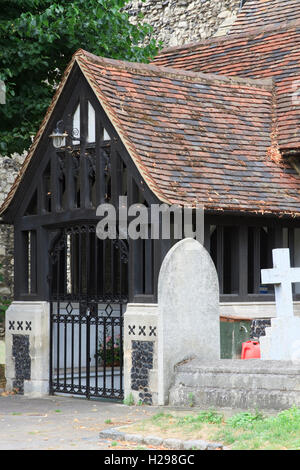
column 129, row 400
column 254, row 431
column 242, row 431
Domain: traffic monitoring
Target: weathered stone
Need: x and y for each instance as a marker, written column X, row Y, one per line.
column 133, row 438
column 153, row 440
column 140, row 353
column 142, row 362
column 214, row 446
column 22, row 360
column 173, row 443
column 188, row 301
column 193, row 20
column 273, row 385
column 195, row 445
column 112, row 434
column 282, row 339
column 28, row 348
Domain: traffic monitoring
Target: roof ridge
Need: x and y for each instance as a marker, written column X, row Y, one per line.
column 266, row 83
column 230, row 37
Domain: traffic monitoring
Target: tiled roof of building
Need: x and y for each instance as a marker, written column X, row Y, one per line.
column 258, row 13
column 264, row 53
column 194, row 137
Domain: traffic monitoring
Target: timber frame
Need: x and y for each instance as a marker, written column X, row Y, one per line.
column 43, row 222
column 37, row 217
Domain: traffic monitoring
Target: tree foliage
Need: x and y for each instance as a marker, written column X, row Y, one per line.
column 37, row 40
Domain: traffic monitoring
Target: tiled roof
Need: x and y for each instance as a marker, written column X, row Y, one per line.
column 196, row 137
column 263, row 53
column 257, row 13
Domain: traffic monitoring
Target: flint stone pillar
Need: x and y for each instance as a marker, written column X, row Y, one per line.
column 27, row 348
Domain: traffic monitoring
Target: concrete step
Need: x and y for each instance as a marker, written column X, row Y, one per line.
column 248, row 384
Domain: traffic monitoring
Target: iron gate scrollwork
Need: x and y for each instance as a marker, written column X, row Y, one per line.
column 89, row 291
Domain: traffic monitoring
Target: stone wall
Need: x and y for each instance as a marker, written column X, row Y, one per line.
column 9, row 168
column 177, row 22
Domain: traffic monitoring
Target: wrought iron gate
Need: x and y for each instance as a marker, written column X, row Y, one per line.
column 89, row 284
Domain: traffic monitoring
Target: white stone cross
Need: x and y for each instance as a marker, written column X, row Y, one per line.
column 282, row 276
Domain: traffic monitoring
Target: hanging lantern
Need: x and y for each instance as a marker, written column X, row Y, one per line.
column 58, row 136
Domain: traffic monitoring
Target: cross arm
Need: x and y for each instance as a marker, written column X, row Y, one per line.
column 277, row 276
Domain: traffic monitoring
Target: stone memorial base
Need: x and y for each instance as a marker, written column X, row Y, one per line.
column 237, row 384
column 282, row 340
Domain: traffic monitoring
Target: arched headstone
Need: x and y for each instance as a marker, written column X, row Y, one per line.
column 188, row 310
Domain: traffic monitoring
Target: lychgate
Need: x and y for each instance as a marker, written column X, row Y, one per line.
column 152, row 134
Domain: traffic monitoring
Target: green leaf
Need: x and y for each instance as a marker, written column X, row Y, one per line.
column 38, row 39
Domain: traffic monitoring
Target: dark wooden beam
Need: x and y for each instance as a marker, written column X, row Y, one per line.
column 100, row 192
column 207, row 235
column 256, row 260
column 33, row 261
column 85, row 201
column 42, row 265
column 148, row 267
column 220, row 256
column 243, row 260
column 21, row 263
column 278, row 237
column 56, row 194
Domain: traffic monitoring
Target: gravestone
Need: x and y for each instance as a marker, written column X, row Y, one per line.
column 282, row 340
column 188, row 309
column 183, row 325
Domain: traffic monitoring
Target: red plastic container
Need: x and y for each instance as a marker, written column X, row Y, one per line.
column 250, row 350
